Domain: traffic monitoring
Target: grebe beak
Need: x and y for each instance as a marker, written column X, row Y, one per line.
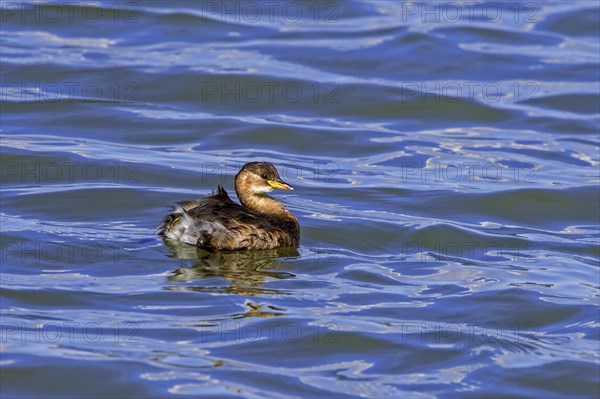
column 280, row 185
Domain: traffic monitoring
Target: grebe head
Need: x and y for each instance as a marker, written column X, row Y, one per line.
column 258, row 178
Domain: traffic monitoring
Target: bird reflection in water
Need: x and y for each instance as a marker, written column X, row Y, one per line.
column 245, row 271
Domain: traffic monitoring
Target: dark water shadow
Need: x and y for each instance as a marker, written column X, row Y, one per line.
column 245, row 271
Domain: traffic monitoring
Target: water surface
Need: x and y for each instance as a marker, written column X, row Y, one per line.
column 445, row 166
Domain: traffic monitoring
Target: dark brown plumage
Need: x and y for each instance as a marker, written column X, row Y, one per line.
column 217, row 223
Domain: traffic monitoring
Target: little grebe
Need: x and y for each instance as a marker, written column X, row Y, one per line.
column 218, row 223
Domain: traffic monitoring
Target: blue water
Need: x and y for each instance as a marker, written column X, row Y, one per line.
column 445, row 160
